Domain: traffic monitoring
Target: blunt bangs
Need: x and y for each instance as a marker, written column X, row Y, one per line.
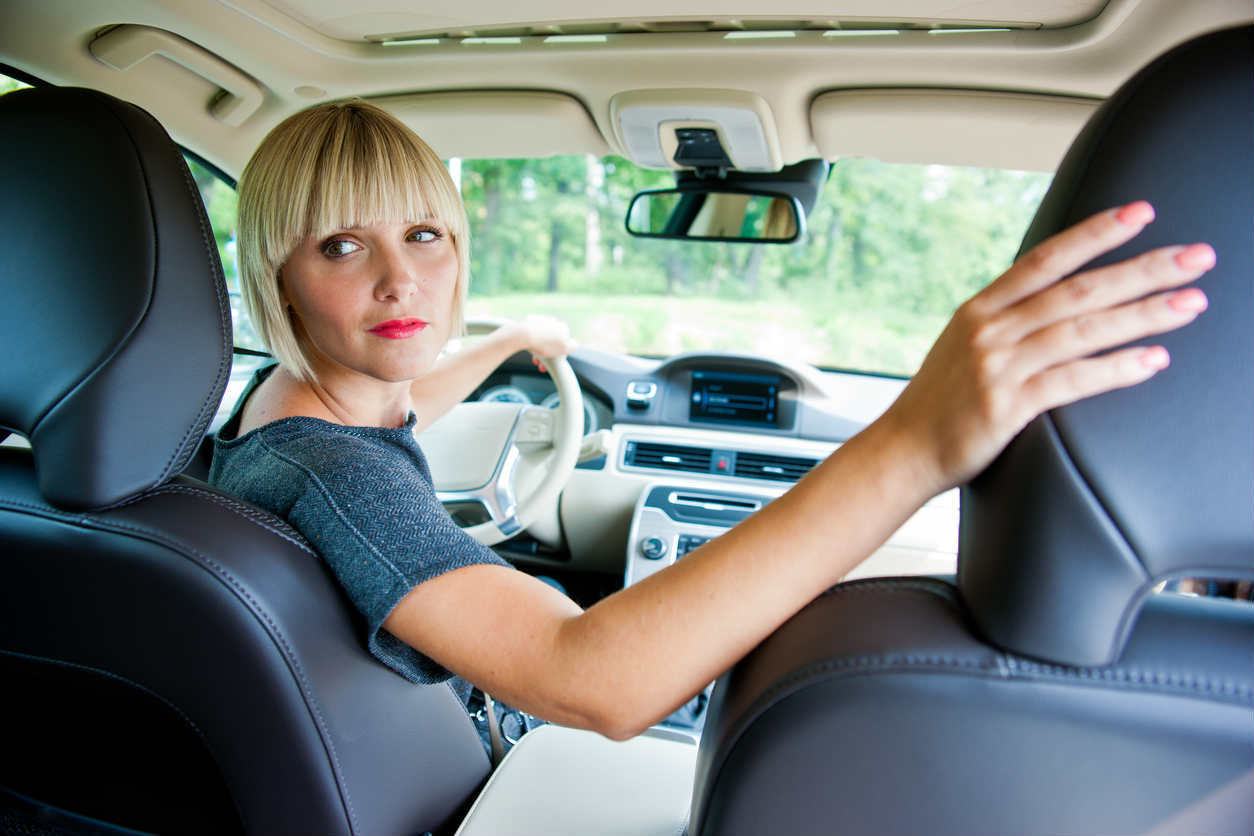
column 367, row 174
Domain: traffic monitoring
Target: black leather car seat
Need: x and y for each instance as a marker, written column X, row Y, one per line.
column 172, row 660
column 1049, row 689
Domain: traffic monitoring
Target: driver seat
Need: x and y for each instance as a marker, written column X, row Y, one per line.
column 173, row 660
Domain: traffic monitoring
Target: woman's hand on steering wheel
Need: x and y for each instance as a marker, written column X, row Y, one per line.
column 546, row 337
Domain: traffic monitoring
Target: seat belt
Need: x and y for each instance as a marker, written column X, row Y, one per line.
column 494, row 730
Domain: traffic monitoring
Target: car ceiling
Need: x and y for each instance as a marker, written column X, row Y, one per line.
column 910, row 80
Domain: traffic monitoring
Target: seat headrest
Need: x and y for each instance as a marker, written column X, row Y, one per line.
column 115, row 326
column 1067, row 533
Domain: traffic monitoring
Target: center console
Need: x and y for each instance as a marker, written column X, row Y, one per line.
column 672, row 520
column 669, row 522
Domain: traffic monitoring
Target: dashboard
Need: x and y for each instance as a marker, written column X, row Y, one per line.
column 718, row 391
column 690, row 443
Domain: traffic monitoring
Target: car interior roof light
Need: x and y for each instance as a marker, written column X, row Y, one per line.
column 859, row 33
column 755, row 34
column 576, row 39
column 957, row 30
column 489, row 41
column 411, row 42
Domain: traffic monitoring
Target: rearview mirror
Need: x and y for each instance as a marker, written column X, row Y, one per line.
column 716, row 214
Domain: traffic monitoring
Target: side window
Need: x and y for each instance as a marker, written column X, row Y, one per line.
column 220, row 204
column 7, row 84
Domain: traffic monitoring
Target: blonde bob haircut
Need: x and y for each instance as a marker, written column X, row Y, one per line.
column 333, row 167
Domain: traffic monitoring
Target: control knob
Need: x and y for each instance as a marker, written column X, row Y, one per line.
column 654, row 548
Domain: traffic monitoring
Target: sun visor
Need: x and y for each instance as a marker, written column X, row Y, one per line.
column 512, row 124
column 950, row 127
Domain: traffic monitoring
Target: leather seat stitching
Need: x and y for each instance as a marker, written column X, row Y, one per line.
column 120, row 678
column 258, row 611
column 255, row 515
column 1017, row 670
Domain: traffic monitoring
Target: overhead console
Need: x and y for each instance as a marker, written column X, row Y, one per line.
column 650, row 126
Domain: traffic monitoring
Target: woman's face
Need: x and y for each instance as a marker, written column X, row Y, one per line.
column 374, row 300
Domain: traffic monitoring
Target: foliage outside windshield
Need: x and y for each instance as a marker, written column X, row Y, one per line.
column 891, row 251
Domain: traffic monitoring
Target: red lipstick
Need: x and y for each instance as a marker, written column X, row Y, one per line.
column 398, row 329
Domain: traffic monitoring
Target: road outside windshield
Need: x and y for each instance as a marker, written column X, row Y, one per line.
column 890, row 252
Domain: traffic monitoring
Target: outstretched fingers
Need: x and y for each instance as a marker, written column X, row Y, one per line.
column 1032, row 341
column 1064, row 253
column 1109, row 286
column 1107, row 318
column 1069, row 382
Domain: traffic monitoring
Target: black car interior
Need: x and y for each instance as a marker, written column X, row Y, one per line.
column 178, row 662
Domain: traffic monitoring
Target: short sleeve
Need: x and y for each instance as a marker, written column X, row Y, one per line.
column 368, row 507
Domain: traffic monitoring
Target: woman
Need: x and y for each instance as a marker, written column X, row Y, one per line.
column 353, row 244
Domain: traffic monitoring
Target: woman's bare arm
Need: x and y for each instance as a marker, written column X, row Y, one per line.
column 1022, row 345
column 455, row 376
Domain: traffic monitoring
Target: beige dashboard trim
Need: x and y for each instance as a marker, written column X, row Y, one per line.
column 597, row 505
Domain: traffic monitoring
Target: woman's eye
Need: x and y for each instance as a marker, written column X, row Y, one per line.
column 339, row 247
column 424, row 236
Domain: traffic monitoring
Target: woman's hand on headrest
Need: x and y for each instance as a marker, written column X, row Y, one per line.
column 1030, row 341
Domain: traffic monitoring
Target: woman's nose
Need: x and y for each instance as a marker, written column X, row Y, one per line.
column 397, row 278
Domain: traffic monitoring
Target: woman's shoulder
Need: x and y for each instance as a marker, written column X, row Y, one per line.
column 302, row 461
column 320, row 444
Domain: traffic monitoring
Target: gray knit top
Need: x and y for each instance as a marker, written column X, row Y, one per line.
column 363, row 498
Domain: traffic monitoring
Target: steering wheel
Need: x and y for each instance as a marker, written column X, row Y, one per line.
column 511, row 459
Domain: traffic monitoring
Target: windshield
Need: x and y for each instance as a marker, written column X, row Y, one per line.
column 890, row 252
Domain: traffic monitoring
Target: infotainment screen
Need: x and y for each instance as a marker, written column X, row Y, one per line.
column 731, row 397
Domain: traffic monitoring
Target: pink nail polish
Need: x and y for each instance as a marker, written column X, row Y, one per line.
column 1155, row 358
column 1196, row 257
column 1189, row 300
column 1135, row 214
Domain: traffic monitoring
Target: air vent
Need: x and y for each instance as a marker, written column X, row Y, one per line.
column 669, row 457
column 775, row 468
